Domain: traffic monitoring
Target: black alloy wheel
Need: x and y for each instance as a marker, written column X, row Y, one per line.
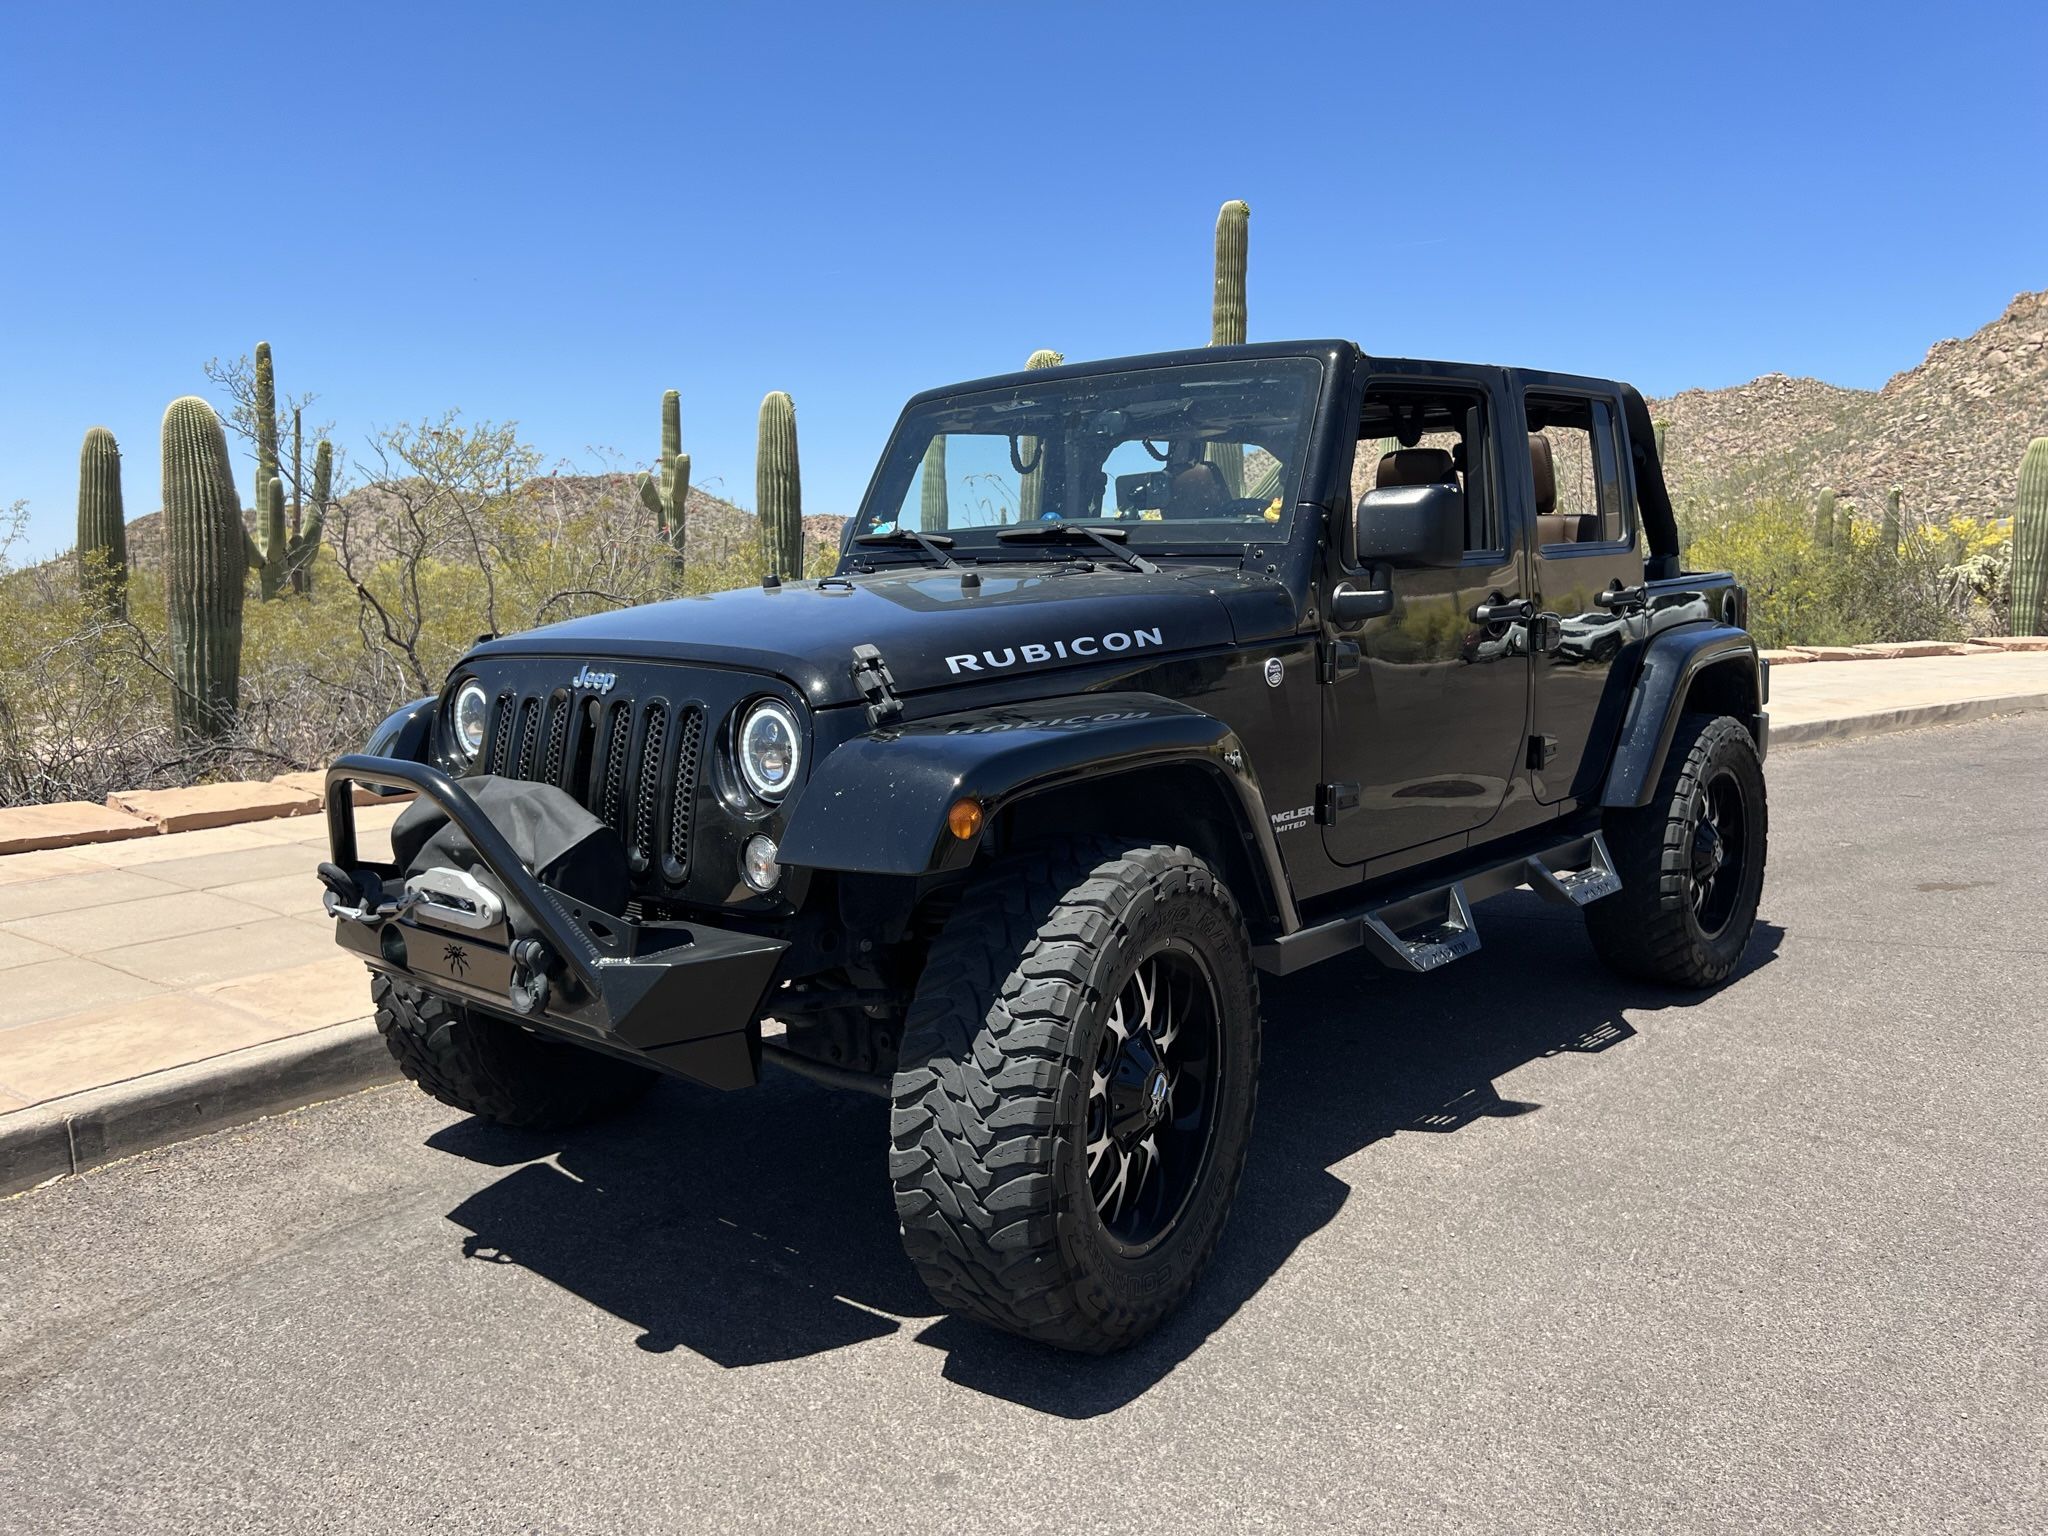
column 1719, row 845
column 1150, row 1100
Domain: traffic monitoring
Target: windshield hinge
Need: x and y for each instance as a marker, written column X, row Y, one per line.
column 1336, row 659
column 872, row 677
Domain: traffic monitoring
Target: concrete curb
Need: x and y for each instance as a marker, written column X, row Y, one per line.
column 1953, row 712
column 84, row 1130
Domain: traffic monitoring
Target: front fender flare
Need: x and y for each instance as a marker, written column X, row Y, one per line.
column 1671, row 663
column 877, row 804
column 406, row 734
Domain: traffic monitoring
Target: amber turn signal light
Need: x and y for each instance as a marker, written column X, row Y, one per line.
column 964, row 819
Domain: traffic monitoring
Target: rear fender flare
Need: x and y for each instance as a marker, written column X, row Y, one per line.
column 877, row 804
column 1672, row 664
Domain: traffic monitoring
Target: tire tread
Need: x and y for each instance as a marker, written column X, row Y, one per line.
column 493, row 1068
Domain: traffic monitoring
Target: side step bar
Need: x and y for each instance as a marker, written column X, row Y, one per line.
column 1428, row 928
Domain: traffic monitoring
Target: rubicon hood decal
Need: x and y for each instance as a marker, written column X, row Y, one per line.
column 1033, row 653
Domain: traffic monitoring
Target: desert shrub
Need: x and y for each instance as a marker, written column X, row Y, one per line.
column 78, row 713
column 1859, row 590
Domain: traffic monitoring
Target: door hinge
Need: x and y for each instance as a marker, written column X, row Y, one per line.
column 1334, row 800
column 872, row 677
column 1336, row 659
column 1541, row 750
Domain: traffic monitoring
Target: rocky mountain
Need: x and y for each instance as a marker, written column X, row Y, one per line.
column 1949, row 432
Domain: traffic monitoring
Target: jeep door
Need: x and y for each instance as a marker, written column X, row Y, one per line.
column 1580, row 518
column 1425, row 707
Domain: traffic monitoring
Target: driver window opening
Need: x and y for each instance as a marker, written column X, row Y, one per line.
column 1425, row 437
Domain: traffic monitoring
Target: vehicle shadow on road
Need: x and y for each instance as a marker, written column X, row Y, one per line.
column 758, row 1227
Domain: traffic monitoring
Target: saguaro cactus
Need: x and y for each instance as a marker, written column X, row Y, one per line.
column 102, row 529
column 205, row 570
column 933, row 512
column 1227, row 309
column 667, row 493
column 266, row 417
column 282, row 560
column 266, row 554
column 2030, row 543
column 778, row 487
column 1227, row 318
column 306, row 536
column 1824, row 521
column 1031, row 480
column 1661, row 430
column 281, row 553
column 1888, row 532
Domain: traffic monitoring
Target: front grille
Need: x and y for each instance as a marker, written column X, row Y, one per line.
column 630, row 762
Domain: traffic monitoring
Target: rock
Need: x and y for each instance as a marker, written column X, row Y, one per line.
column 213, row 805
column 66, row 824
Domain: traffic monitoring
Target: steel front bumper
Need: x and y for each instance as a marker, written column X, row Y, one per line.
column 680, row 996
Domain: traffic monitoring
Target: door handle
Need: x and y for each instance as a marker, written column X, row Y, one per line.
column 1620, row 599
column 1500, row 610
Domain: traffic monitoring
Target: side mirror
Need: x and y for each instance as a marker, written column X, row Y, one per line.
column 1351, row 606
column 1410, row 525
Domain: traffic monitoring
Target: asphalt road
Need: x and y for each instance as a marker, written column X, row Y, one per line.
column 1520, row 1247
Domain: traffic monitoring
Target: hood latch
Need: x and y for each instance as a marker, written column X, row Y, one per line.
column 877, row 684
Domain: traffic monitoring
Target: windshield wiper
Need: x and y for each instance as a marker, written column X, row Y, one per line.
column 933, row 544
column 1060, row 531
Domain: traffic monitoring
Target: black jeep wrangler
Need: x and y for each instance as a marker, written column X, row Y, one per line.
column 1135, row 679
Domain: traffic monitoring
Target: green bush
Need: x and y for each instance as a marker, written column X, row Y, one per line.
column 1855, row 589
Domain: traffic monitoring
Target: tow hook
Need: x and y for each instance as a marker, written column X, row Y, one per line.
column 532, row 963
column 359, row 898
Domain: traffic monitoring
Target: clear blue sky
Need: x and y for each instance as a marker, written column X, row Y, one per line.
column 550, row 213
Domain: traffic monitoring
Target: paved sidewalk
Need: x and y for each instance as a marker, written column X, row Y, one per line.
column 144, row 983
column 122, row 961
column 1821, row 699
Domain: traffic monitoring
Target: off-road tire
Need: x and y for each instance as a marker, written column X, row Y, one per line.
column 1648, row 930
column 988, row 1137
column 495, row 1069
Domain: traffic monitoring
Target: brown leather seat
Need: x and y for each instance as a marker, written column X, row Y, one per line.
column 1416, row 466
column 1197, row 489
column 1553, row 527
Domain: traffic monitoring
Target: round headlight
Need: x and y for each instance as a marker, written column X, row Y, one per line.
column 770, row 749
column 472, row 717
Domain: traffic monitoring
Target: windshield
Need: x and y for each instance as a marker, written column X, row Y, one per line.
column 1192, row 456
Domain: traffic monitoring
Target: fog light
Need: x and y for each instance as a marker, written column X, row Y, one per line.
column 757, row 862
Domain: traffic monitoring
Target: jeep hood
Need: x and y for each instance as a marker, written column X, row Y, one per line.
column 1024, row 618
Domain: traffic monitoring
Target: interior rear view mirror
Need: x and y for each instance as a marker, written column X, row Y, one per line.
column 1410, row 525
column 1142, row 492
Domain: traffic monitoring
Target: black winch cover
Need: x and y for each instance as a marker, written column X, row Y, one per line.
column 565, row 846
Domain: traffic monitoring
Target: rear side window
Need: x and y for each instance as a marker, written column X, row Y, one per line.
column 1575, row 449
